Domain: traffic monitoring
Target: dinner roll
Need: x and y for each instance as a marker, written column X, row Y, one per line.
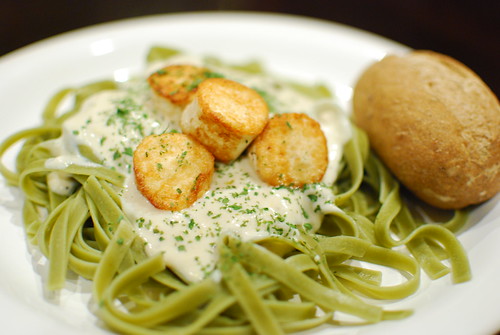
column 435, row 124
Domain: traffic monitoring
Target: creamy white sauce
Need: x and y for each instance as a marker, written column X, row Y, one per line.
column 61, row 183
column 112, row 123
column 238, row 204
column 337, row 130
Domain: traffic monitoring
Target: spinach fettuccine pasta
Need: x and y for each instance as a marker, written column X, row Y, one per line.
column 245, row 256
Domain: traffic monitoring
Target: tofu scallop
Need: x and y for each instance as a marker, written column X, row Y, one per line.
column 177, row 84
column 172, row 170
column 291, row 151
column 225, row 116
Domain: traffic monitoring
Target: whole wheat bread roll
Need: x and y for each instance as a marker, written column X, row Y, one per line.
column 435, row 124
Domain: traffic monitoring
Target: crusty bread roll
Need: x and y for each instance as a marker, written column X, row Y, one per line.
column 435, row 124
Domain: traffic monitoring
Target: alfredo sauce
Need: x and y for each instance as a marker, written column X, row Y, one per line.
column 112, row 123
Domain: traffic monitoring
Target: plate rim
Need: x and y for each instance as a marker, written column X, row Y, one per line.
column 209, row 14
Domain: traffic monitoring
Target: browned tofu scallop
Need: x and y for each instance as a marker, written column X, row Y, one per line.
column 291, row 151
column 225, row 116
column 172, row 170
column 177, row 83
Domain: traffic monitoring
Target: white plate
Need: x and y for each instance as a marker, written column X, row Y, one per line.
column 296, row 47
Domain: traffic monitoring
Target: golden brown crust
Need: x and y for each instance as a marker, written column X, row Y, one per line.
column 225, row 116
column 177, row 83
column 291, row 151
column 172, row 170
column 435, row 124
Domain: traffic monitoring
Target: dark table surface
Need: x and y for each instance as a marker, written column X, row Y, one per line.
column 468, row 30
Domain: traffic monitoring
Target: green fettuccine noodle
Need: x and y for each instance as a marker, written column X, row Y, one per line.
column 274, row 286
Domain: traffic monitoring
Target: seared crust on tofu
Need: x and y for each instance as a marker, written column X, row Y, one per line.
column 177, row 83
column 225, row 116
column 291, row 151
column 172, row 170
